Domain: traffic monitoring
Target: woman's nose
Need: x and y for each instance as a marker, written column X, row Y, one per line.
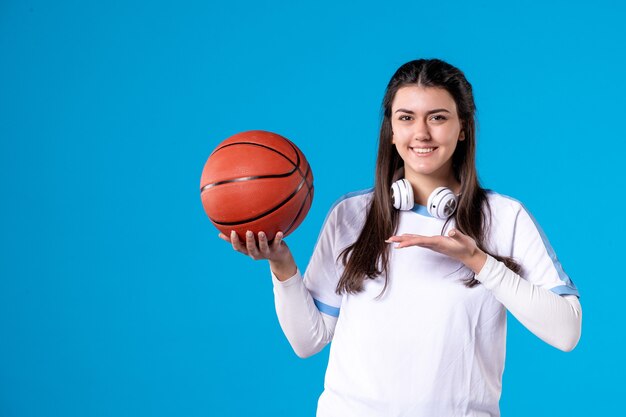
column 420, row 131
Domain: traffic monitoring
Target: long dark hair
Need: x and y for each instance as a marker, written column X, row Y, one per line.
column 368, row 257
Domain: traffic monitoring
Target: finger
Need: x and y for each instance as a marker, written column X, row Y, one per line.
column 402, row 237
column 224, row 237
column 460, row 237
column 397, row 239
column 234, row 240
column 416, row 240
column 455, row 234
column 405, row 241
column 263, row 245
column 253, row 250
column 277, row 240
column 411, row 242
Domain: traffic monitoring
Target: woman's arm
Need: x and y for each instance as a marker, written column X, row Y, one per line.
column 307, row 329
column 555, row 319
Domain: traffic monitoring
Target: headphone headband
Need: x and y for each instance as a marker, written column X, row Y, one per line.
column 442, row 202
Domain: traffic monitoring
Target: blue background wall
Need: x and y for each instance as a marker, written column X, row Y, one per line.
column 116, row 296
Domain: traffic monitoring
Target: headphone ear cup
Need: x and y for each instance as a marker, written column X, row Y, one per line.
column 402, row 194
column 442, row 203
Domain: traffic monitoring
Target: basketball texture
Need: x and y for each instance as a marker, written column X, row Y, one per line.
column 258, row 181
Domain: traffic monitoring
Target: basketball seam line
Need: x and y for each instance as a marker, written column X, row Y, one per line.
column 296, row 167
column 241, row 179
column 255, row 177
column 300, row 210
column 262, row 146
column 273, row 209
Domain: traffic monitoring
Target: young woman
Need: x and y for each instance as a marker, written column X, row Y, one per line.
column 414, row 299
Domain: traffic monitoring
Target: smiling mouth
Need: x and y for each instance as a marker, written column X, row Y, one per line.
column 423, row 151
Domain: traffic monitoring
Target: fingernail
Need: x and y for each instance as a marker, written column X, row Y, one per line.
column 261, row 234
column 249, row 233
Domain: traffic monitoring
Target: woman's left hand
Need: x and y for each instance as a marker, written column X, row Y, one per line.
column 456, row 245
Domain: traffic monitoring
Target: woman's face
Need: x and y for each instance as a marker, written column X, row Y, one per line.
column 426, row 129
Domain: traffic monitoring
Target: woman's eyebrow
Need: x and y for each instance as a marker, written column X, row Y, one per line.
column 428, row 112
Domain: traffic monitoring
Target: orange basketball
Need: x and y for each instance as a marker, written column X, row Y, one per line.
column 257, row 181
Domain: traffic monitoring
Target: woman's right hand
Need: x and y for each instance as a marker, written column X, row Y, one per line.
column 278, row 253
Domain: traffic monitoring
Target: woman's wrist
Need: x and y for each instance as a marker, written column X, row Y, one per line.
column 284, row 269
column 476, row 261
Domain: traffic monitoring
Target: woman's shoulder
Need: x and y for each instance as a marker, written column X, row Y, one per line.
column 350, row 207
column 501, row 204
column 503, row 212
column 354, row 200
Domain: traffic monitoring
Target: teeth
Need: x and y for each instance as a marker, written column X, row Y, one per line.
column 423, row 150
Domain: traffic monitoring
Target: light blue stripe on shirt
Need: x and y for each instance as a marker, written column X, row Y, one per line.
column 419, row 209
column 565, row 290
column 325, row 308
column 551, row 253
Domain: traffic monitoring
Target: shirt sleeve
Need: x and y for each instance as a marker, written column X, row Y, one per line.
column 307, row 329
column 321, row 276
column 540, row 265
column 555, row 319
column 308, row 308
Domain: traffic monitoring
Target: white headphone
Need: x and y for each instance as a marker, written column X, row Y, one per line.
column 441, row 203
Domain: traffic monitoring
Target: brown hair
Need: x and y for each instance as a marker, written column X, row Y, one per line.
column 368, row 256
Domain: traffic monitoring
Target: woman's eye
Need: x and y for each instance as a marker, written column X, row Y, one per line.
column 439, row 117
column 404, row 117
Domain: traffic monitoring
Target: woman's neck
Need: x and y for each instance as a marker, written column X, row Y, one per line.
column 424, row 185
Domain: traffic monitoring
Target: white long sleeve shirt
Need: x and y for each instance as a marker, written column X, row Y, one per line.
column 429, row 346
